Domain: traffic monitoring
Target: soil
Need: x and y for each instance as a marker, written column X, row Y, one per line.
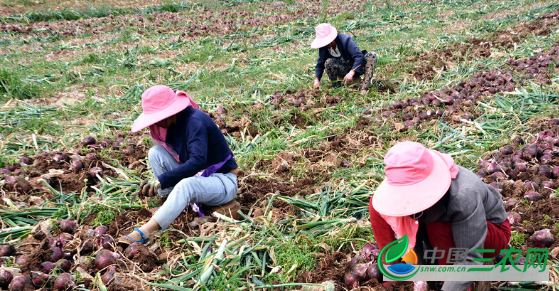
column 429, row 64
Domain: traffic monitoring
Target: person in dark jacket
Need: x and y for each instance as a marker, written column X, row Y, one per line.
column 437, row 204
column 340, row 56
column 188, row 142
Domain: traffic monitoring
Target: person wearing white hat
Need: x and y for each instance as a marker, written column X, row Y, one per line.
column 341, row 58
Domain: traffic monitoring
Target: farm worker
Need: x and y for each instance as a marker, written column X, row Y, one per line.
column 341, row 57
column 436, row 202
column 188, row 141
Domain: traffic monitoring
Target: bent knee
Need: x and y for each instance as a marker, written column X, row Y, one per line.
column 156, row 151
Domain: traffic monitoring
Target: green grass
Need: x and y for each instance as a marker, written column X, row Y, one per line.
column 238, row 69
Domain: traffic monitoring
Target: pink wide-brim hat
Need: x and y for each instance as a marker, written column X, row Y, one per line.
column 416, row 178
column 325, row 34
column 158, row 103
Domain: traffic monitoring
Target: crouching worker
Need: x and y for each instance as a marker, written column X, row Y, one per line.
column 341, row 57
column 188, row 142
column 440, row 205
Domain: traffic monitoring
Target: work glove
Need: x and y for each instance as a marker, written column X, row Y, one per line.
column 150, row 186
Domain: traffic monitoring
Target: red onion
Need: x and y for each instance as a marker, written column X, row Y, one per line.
column 351, row 280
column 54, row 243
column 76, row 166
column 12, row 168
column 507, row 150
column 19, row 283
column 513, row 174
column 360, row 270
column 533, row 196
column 546, row 159
column 520, row 261
column 56, row 254
column 68, row 256
column 96, row 171
column 109, row 275
column 491, row 168
column 88, row 140
column 101, row 229
column 5, row 172
column 511, row 202
column 367, row 251
column 22, row 259
column 68, row 226
column 420, row 286
column 105, row 258
column 128, row 151
column 514, row 218
column 544, row 171
column 543, row 238
column 105, row 241
column 47, row 266
column 25, row 160
column 407, row 116
column 373, row 272
column 17, row 183
column 518, row 140
column 375, row 253
column 7, row 250
column 521, row 167
column 549, row 184
column 133, row 248
column 356, row 260
column 529, row 153
column 531, row 185
column 60, row 157
column 105, row 142
column 64, row 281
column 64, row 238
column 64, row 264
column 91, row 156
column 5, row 278
column 39, row 278
column 497, row 186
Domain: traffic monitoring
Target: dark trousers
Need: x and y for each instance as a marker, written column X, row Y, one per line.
column 339, row 67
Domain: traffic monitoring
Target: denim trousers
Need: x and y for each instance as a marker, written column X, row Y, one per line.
column 217, row 189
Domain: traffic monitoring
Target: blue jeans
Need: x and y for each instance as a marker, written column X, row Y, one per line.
column 217, row 189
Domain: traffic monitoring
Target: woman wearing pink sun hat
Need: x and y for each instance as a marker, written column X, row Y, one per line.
column 188, row 142
column 340, row 56
column 439, row 204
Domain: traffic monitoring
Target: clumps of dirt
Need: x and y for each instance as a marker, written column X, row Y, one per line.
column 233, row 126
column 72, row 171
column 429, row 64
column 331, row 266
column 458, row 104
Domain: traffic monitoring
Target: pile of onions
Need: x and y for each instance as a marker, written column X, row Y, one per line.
column 363, row 266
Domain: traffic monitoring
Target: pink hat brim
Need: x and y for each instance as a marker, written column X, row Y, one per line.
column 407, row 200
column 145, row 120
column 322, row 42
